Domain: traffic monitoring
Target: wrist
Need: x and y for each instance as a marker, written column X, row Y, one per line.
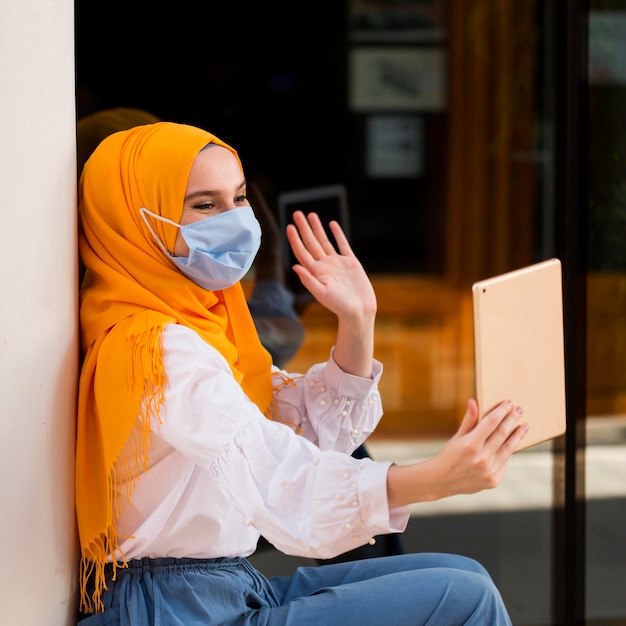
column 411, row 484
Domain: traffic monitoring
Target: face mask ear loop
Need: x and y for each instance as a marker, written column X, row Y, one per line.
column 143, row 211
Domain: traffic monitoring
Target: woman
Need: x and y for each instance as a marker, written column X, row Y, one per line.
column 190, row 445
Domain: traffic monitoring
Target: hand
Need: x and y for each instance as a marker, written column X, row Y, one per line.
column 476, row 456
column 338, row 281
column 335, row 278
column 474, row 459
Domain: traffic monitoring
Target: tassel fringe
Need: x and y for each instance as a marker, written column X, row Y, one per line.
column 143, row 354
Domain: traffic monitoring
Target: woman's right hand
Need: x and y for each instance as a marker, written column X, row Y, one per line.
column 473, row 459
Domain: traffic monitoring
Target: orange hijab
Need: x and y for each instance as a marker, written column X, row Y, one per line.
column 131, row 291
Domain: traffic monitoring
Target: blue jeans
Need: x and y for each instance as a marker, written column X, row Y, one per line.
column 409, row 589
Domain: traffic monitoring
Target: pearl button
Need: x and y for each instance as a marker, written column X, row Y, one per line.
column 346, row 475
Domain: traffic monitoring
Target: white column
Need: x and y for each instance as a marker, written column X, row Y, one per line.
column 38, row 313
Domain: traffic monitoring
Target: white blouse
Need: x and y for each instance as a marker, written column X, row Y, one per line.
column 221, row 474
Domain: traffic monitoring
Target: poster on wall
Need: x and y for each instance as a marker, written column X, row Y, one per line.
column 387, row 21
column 395, row 146
column 397, row 79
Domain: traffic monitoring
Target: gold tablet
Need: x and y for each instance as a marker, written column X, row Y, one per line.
column 518, row 347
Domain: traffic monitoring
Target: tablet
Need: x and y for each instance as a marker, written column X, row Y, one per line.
column 519, row 347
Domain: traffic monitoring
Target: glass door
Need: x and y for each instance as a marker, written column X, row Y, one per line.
column 605, row 485
column 453, row 110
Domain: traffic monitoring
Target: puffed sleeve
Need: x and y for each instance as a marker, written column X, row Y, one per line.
column 305, row 501
column 333, row 409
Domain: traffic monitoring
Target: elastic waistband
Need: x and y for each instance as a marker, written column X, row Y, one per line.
column 173, row 564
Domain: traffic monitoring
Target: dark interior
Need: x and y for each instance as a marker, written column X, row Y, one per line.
column 271, row 79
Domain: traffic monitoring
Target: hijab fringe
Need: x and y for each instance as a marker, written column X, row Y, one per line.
column 145, row 373
column 272, row 412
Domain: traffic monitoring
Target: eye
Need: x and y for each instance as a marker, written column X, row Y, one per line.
column 241, row 199
column 203, row 206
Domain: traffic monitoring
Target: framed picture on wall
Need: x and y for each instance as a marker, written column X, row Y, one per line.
column 387, row 21
column 395, row 146
column 397, row 79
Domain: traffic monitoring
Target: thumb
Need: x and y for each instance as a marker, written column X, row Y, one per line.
column 470, row 419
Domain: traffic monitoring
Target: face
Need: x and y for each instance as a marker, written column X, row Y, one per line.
column 216, row 184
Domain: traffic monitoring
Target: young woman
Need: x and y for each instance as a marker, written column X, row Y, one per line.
column 190, row 444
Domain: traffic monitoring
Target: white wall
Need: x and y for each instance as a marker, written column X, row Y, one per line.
column 38, row 313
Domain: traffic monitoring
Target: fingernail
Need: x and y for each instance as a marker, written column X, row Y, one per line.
column 519, row 409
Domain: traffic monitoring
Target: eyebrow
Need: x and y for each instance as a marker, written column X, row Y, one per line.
column 203, row 193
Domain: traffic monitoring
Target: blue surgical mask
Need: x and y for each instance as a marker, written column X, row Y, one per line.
column 221, row 248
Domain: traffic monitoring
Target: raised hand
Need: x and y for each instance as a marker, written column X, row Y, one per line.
column 335, row 277
column 338, row 281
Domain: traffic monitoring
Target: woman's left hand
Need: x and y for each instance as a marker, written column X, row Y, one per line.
column 335, row 277
column 338, row 281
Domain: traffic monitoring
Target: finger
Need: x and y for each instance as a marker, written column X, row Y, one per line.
column 340, row 237
column 491, row 419
column 303, row 224
column 470, row 419
column 307, row 279
column 505, row 428
column 307, row 243
column 297, row 246
column 513, row 441
column 322, row 244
